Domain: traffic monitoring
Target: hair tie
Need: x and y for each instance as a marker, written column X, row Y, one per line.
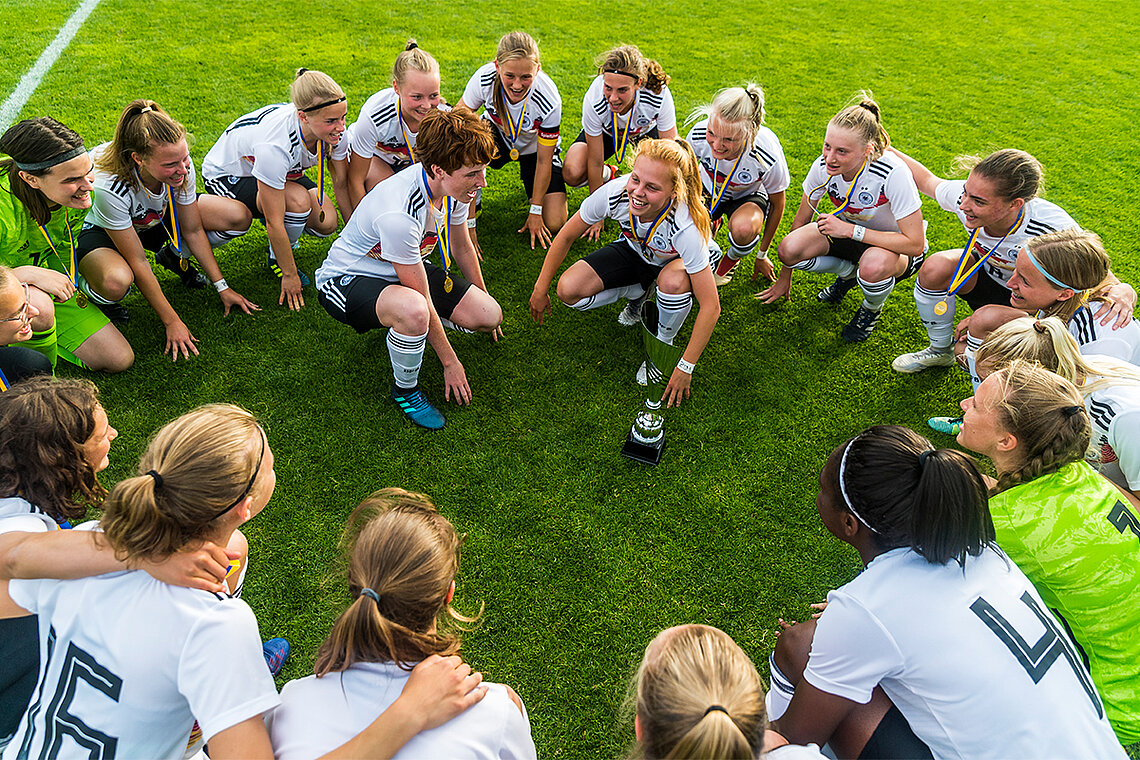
column 716, row 707
column 157, row 478
column 1069, row 411
column 843, row 487
column 370, row 594
column 145, row 109
column 923, row 457
column 412, row 45
column 35, row 166
column 1039, row 328
column 326, row 104
column 302, row 71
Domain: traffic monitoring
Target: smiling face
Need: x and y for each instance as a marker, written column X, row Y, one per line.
column 96, row 448
column 984, row 207
column 517, row 76
column 463, row 183
column 16, row 314
column 419, row 93
column 843, row 151
column 68, row 184
column 725, row 141
column 1030, row 290
column 650, row 187
column 326, row 124
column 168, row 163
column 619, row 90
column 982, row 430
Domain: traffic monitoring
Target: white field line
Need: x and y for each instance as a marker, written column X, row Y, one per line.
column 31, row 80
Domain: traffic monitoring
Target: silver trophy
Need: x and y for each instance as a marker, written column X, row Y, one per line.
column 646, row 440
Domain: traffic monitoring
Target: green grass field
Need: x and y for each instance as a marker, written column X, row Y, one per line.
column 579, row 555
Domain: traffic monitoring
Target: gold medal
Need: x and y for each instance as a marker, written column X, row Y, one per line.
column 940, row 308
column 447, row 284
column 514, row 154
column 81, row 299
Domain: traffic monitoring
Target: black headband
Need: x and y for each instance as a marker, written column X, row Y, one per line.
column 53, row 161
column 619, row 71
column 326, row 104
column 252, row 478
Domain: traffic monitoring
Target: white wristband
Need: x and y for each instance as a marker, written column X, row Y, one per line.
column 858, row 233
column 685, row 366
column 535, row 209
column 470, row 224
column 221, row 285
column 764, row 253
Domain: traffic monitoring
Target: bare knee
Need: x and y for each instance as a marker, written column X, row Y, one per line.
column 674, row 279
column 937, row 270
column 989, row 318
column 410, row 314
column 578, row 282
column 744, row 228
column 877, row 265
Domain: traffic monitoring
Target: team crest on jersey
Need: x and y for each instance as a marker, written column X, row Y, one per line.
column 744, row 176
column 659, row 242
column 866, row 197
column 643, row 121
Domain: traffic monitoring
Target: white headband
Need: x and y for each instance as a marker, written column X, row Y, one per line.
column 843, row 487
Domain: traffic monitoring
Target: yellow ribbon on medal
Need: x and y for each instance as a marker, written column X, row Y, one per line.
column 717, row 196
column 321, row 177
column 4, row 384
column 850, row 192
column 72, row 263
column 515, row 128
column 652, row 225
column 619, row 150
column 443, row 232
column 404, row 132
column 964, row 271
column 174, row 232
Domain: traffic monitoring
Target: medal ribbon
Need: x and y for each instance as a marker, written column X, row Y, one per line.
column 850, row 188
column 652, row 226
column 619, row 151
column 513, row 127
column 964, row 271
column 321, row 172
column 443, row 234
column 4, row 384
column 72, row 263
column 717, row 196
column 174, row 233
column 404, row 132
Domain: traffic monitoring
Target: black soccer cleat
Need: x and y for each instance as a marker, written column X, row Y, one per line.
column 861, row 325
column 190, row 276
column 833, row 293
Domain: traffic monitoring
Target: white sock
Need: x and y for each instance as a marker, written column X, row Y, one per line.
column 95, row 297
column 972, row 367
column 295, row 225
column 221, row 237
column 737, row 251
column 781, row 691
column 939, row 327
column 608, row 296
column 407, row 354
column 672, row 309
column 875, row 293
column 828, row 265
column 449, row 325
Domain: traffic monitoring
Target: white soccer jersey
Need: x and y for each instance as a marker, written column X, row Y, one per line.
column 884, row 194
column 381, row 133
column 763, row 170
column 1107, row 340
column 127, row 663
column 675, row 236
column 1115, row 415
column 1041, row 216
column 266, row 145
column 650, row 109
column 971, row 656
column 541, row 119
column 18, row 515
column 395, row 223
column 115, row 206
column 319, row 714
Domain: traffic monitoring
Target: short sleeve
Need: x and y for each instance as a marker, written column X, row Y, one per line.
column 26, row 592
column 517, row 742
column 902, row 192
column 594, row 209
column 364, row 138
column 111, row 211
column 693, row 249
column 948, row 193
column 851, row 652
column 815, row 178
column 459, row 214
column 591, row 122
column 1124, row 437
column 29, row 523
column 667, row 116
column 270, row 165
column 222, row 656
column 778, row 178
column 473, row 92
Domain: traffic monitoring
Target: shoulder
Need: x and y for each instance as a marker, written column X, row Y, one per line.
column 544, row 94
column 651, row 98
column 698, row 131
column 381, row 107
column 485, row 75
column 766, row 147
column 1042, row 216
column 889, row 164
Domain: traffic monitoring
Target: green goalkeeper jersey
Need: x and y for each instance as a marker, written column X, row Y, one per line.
column 1078, row 540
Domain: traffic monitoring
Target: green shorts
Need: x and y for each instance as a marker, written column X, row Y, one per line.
column 74, row 325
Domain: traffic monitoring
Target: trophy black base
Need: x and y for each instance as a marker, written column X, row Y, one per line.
column 646, row 453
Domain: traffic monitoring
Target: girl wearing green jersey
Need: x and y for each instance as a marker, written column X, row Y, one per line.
column 1070, row 530
column 45, row 188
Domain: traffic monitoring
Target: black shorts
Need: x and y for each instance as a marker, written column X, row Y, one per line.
column 986, row 291
column 244, row 189
column 894, row 738
column 847, row 249
column 728, row 208
column 351, row 299
column 91, row 237
column 619, row 265
column 19, row 363
column 609, row 147
column 527, row 164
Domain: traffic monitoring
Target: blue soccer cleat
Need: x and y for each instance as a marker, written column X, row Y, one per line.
column 417, row 408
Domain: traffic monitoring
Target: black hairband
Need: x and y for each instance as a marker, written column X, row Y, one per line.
column 619, row 71
column 716, row 707
column 252, row 478
column 157, row 478
column 55, row 160
column 1069, row 411
column 326, row 104
column 923, row 457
